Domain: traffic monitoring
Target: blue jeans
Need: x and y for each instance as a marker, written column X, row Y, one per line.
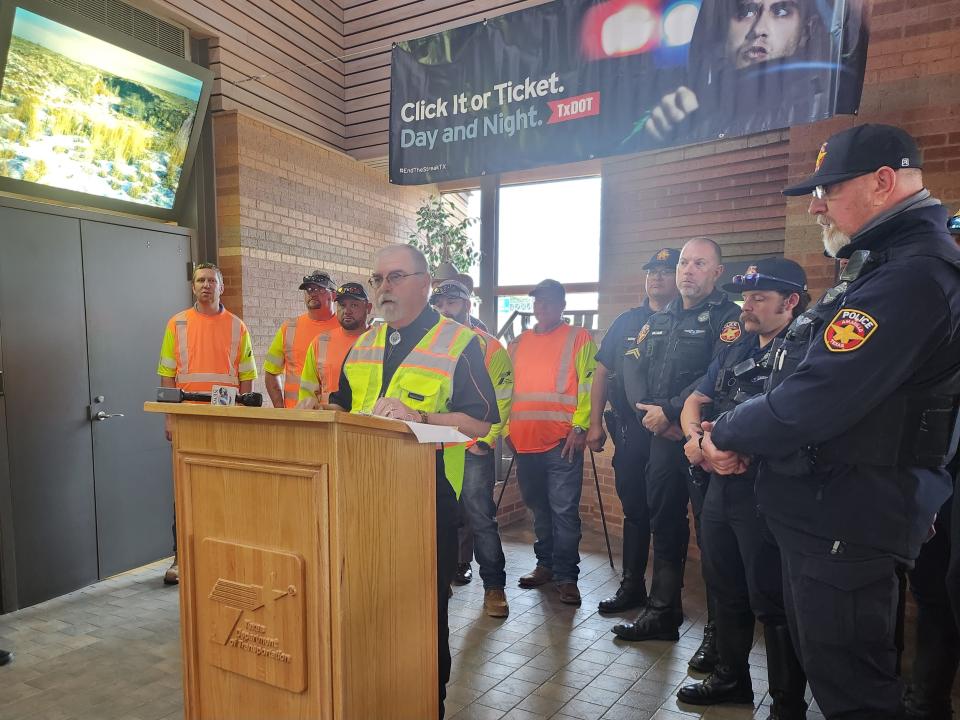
column 551, row 488
column 479, row 534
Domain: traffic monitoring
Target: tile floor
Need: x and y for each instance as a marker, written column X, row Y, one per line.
column 111, row 651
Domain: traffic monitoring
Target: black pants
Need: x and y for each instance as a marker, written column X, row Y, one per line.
column 631, row 453
column 667, row 496
column 741, row 562
column 841, row 604
column 953, row 572
column 446, row 568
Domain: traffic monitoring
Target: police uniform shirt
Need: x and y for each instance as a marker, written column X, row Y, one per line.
column 473, row 394
column 621, row 337
column 896, row 326
column 708, row 385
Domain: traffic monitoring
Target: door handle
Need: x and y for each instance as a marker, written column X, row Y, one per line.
column 101, row 415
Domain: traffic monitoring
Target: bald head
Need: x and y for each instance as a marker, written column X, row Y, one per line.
column 698, row 270
column 416, row 259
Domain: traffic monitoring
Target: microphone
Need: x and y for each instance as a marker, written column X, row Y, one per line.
column 176, row 395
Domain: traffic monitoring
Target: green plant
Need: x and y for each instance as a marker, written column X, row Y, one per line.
column 441, row 237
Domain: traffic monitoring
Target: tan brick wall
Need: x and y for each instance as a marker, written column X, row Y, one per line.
column 286, row 206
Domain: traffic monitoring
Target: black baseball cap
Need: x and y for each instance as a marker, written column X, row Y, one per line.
column 320, row 278
column 665, row 258
column 857, row 151
column 549, row 286
column 451, row 289
column 770, row 274
column 353, row 290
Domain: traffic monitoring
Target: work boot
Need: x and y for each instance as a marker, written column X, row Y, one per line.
column 540, row 576
column 632, row 592
column 464, row 574
column 172, row 575
column 706, row 657
column 495, row 603
column 722, row 686
column 787, row 680
column 658, row 620
column 6, row 657
column 569, row 593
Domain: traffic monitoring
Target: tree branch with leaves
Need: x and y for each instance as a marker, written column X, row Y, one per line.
column 441, row 237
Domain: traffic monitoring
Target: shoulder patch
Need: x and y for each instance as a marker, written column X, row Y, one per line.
column 849, row 330
column 730, row 331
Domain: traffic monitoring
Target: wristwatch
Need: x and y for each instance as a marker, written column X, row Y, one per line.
column 482, row 445
column 578, row 430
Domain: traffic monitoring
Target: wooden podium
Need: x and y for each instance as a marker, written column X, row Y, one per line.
column 307, row 546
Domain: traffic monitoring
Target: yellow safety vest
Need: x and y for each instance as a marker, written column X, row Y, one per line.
column 423, row 381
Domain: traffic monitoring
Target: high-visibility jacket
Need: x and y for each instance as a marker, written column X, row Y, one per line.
column 201, row 351
column 552, row 377
column 500, row 369
column 423, row 381
column 289, row 348
column 321, row 366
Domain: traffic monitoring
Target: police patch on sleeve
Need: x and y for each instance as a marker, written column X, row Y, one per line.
column 849, row 330
column 730, row 331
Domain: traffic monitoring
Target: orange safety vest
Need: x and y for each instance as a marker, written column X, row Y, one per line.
column 330, row 349
column 298, row 333
column 545, row 386
column 208, row 350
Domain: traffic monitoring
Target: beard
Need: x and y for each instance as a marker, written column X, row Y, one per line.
column 833, row 239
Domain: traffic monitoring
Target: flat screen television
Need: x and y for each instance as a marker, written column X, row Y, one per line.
column 94, row 118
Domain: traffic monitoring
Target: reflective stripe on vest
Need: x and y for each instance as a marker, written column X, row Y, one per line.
column 183, row 355
column 423, row 381
column 320, row 344
column 291, row 379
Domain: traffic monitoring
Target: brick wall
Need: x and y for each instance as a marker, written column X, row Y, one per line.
column 286, row 206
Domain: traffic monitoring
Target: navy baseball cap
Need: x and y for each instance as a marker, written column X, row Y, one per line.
column 857, row 151
column 663, row 258
column 319, row 278
column 549, row 287
column 450, row 288
column 352, row 290
column 770, row 274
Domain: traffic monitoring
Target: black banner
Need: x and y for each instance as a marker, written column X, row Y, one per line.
column 579, row 79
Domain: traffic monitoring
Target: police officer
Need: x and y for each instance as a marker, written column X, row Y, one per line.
column 672, row 353
column 858, row 418
column 631, row 441
column 741, row 560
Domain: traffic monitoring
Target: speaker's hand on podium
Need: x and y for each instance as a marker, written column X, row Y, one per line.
column 394, row 409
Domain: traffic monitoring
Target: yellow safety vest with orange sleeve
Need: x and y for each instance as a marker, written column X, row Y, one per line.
column 500, row 369
column 552, row 377
column 321, row 366
column 289, row 349
column 200, row 351
column 423, row 381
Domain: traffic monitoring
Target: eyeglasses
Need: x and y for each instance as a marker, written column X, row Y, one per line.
column 661, row 272
column 314, row 289
column 392, row 278
column 754, row 279
column 820, row 192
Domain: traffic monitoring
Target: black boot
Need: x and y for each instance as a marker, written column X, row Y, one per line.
column 723, row 686
column 632, row 592
column 659, row 619
column 706, row 657
column 787, row 680
column 928, row 695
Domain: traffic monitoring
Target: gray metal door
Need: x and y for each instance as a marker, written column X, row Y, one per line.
column 134, row 280
column 46, row 388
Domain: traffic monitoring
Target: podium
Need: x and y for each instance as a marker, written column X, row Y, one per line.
column 307, row 551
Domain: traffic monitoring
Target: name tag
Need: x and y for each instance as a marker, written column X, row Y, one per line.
column 414, row 396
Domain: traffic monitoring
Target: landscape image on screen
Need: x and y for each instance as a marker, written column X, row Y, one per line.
column 81, row 114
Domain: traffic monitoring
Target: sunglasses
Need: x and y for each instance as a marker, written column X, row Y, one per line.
column 754, row 279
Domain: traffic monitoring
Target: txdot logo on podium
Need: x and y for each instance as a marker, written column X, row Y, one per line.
column 251, row 609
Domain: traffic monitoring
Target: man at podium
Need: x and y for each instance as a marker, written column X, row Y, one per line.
column 423, row 367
